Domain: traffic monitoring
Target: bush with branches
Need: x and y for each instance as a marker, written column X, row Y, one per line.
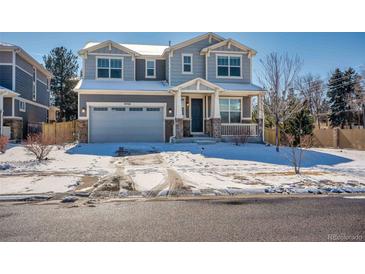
column 4, row 140
column 38, row 146
column 297, row 150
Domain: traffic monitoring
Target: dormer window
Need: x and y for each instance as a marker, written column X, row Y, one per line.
column 229, row 66
column 109, row 68
column 150, row 68
column 187, row 63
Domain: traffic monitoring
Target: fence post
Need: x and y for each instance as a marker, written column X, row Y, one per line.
column 336, row 137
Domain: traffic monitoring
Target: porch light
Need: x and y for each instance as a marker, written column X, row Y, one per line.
column 83, row 110
column 187, row 104
column 169, row 111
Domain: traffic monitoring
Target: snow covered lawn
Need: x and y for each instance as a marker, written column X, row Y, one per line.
column 225, row 167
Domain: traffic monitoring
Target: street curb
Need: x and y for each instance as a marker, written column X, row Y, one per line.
column 25, row 197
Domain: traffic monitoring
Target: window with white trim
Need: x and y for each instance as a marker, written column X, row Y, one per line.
column 150, row 68
column 229, row 66
column 230, row 110
column 34, row 86
column 22, row 106
column 110, row 68
column 187, row 63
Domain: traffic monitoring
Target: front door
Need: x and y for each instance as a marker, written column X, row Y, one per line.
column 196, row 115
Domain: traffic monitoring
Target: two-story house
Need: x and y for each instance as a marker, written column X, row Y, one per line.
column 202, row 86
column 24, row 91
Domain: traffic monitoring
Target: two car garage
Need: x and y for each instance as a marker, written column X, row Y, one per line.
column 137, row 123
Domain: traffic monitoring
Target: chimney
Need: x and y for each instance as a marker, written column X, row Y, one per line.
column 169, row 43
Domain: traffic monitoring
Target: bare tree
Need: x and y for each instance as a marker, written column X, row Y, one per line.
column 312, row 89
column 297, row 150
column 277, row 76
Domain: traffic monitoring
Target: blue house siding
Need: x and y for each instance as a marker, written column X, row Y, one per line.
column 169, row 100
column 177, row 77
column 245, row 70
column 6, row 57
column 8, row 106
column 141, row 70
column 23, row 84
column 6, row 76
column 42, row 94
column 23, row 64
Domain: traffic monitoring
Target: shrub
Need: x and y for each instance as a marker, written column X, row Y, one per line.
column 39, row 146
column 4, row 140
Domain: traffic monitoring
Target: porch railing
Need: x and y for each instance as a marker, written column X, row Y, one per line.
column 239, row 129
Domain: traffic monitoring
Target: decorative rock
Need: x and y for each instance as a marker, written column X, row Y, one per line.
column 69, row 199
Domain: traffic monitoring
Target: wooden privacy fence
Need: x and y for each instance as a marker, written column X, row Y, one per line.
column 330, row 138
column 59, row 133
column 269, row 136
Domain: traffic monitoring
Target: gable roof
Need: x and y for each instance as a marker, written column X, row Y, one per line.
column 94, row 46
column 26, row 56
column 194, row 40
column 197, row 81
column 230, row 42
column 135, row 49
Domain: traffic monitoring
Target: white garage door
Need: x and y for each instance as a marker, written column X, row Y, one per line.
column 126, row 124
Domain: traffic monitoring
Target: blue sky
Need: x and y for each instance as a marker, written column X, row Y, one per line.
column 321, row 52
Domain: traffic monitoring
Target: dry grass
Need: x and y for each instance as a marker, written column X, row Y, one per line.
column 140, row 160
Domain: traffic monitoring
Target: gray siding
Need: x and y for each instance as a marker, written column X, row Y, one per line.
column 112, row 51
column 6, row 73
column 141, row 70
column 33, row 114
column 167, row 69
column 23, row 84
column 177, row 77
column 41, row 77
column 128, row 70
column 42, row 94
column 6, row 57
column 169, row 100
column 8, row 107
column 245, row 70
column 24, row 64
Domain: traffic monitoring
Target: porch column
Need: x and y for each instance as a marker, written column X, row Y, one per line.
column 216, row 117
column 179, row 121
column 260, row 120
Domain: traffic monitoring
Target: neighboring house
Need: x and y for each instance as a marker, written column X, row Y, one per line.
column 24, row 91
column 200, row 87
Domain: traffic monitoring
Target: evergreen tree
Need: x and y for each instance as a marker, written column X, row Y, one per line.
column 301, row 124
column 353, row 94
column 62, row 63
column 337, row 99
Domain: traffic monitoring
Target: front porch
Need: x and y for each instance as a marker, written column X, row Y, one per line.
column 203, row 109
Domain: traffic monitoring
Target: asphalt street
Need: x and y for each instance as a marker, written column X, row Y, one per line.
column 248, row 219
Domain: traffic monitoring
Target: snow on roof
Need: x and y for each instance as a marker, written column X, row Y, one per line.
column 4, row 44
column 86, row 84
column 151, row 50
column 239, row 87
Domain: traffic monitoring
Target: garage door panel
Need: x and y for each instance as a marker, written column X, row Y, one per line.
column 127, row 125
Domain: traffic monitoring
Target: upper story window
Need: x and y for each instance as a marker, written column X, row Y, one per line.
column 34, row 85
column 187, row 63
column 22, row 106
column 150, row 68
column 229, row 66
column 110, row 68
column 230, row 110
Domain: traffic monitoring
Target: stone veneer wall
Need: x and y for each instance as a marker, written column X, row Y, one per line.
column 208, row 127
column 16, row 128
column 216, row 128
column 179, row 128
column 82, row 130
column 186, row 128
